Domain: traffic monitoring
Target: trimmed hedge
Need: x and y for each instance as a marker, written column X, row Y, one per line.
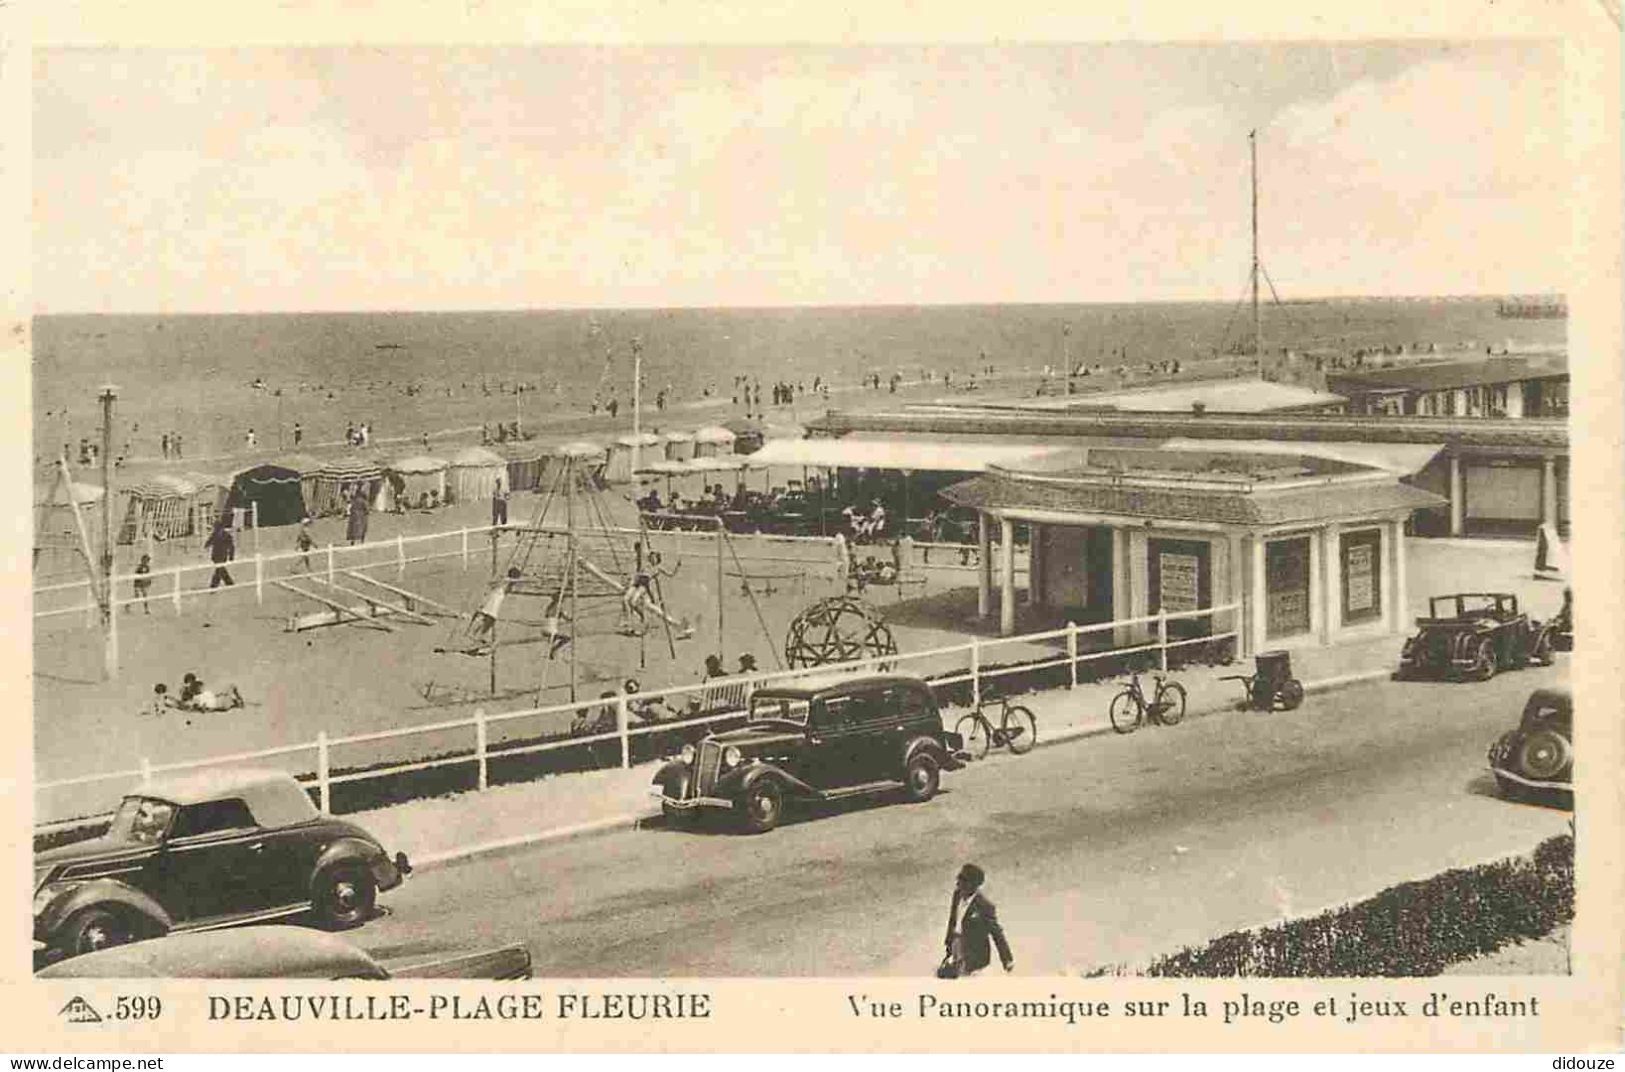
column 1413, row 929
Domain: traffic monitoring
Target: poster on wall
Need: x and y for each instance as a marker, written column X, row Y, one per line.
column 1181, row 582
column 1362, row 588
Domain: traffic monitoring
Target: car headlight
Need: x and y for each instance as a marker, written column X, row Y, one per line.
column 687, row 754
column 732, row 756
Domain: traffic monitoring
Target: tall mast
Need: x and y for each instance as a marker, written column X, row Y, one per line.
column 637, row 404
column 1258, row 324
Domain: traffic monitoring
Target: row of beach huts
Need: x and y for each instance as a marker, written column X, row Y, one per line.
column 288, row 488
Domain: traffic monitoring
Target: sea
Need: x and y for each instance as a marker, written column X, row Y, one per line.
column 410, row 375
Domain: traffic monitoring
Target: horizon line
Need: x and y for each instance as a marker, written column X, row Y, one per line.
column 1314, row 298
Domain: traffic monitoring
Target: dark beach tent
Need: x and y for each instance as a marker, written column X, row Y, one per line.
column 275, row 488
column 524, row 464
column 748, row 435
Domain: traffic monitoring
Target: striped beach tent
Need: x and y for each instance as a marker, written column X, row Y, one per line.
column 713, row 440
column 337, row 480
column 417, row 479
column 679, row 446
column 524, row 463
column 618, row 468
column 162, row 506
column 473, row 474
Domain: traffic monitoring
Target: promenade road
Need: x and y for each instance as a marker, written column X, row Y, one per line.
column 1109, row 850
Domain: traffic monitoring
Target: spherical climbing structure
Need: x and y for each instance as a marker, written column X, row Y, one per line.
column 837, row 629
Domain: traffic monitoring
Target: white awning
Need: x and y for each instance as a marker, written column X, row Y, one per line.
column 912, row 455
column 1403, row 459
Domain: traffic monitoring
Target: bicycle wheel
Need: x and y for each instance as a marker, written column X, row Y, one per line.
column 1125, row 712
column 975, row 731
column 1171, row 703
column 1020, row 729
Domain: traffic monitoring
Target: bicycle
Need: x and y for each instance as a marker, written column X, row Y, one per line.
column 1129, row 708
column 1017, row 729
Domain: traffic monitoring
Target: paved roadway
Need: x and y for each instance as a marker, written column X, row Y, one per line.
column 1102, row 851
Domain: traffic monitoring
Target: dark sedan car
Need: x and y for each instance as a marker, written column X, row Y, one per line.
column 207, row 851
column 1538, row 756
column 821, row 738
column 277, row 953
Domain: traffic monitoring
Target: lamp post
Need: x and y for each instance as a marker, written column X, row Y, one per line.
column 109, row 394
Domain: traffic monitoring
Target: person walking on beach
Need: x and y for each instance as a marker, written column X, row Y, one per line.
column 972, row 921
column 222, row 549
column 499, row 504
column 143, row 583
column 163, row 442
column 175, row 443
column 304, row 543
column 298, row 434
column 356, row 531
column 251, row 440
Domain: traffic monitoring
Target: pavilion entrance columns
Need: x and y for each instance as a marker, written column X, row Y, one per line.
column 984, row 568
column 1007, row 576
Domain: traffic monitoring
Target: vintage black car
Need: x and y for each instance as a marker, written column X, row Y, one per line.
column 1471, row 635
column 278, row 953
column 1538, row 756
column 817, row 739
column 207, row 851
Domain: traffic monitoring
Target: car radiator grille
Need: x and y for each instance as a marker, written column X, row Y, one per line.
column 707, row 767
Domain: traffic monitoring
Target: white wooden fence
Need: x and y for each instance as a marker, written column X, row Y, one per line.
column 175, row 586
column 717, row 700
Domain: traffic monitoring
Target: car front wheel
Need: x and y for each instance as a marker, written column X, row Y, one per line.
column 345, row 896
column 762, row 806
column 921, row 776
column 1483, row 667
column 93, row 929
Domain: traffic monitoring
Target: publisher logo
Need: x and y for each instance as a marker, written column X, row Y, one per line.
column 80, row 1011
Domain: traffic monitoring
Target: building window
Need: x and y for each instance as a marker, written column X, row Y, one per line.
column 1362, row 575
column 1286, row 587
column 1498, row 401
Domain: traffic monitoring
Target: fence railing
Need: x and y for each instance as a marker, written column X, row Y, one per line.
column 612, row 724
column 175, row 585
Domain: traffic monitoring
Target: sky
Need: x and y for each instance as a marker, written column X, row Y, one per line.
column 565, row 177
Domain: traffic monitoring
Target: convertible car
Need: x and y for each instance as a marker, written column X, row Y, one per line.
column 206, row 851
column 1472, row 635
